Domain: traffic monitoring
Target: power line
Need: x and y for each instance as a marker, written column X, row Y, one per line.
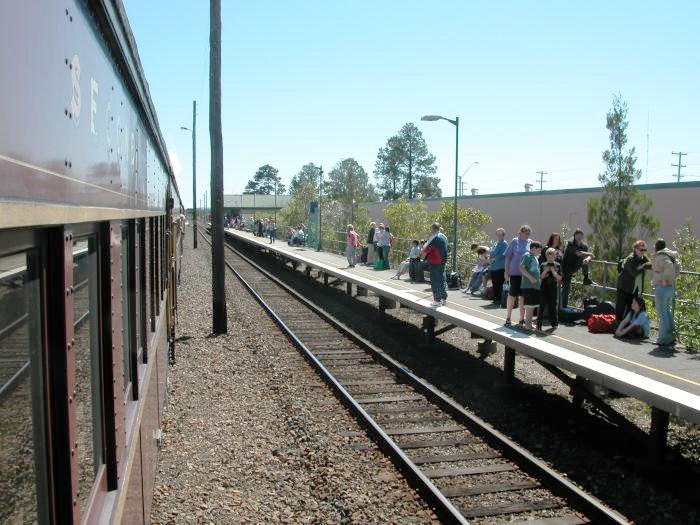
column 541, row 179
column 679, row 165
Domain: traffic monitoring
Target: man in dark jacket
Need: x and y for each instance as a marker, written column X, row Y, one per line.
column 370, row 244
column 630, row 282
column 576, row 256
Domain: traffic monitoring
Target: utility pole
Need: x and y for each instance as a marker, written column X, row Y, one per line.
column 541, row 179
column 679, row 165
column 194, row 172
column 218, row 268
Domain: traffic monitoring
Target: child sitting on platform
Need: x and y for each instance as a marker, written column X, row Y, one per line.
column 636, row 322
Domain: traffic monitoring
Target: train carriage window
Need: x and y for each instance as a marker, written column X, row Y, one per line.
column 23, row 467
column 87, row 402
column 127, row 307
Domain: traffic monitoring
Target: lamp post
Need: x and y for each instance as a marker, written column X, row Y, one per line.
column 431, row 118
column 320, row 194
column 194, row 171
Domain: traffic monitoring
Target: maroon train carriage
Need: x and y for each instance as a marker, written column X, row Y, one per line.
column 90, row 244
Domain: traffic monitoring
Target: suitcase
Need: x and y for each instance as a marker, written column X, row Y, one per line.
column 571, row 314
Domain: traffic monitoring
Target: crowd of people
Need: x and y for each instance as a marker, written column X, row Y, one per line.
column 533, row 277
column 538, row 278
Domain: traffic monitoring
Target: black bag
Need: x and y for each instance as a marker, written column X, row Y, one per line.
column 590, row 307
column 363, row 255
column 454, row 282
column 571, row 314
column 607, row 307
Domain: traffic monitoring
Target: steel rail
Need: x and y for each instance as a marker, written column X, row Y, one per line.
column 441, row 505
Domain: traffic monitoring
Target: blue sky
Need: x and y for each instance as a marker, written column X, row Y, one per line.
column 532, row 81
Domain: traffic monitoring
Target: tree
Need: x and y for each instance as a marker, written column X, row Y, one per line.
column 264, row 181
column 621, row 214
column 302, row 189
column 349, row 184
column 405, row 166
column 388, row 165
column 408, row 219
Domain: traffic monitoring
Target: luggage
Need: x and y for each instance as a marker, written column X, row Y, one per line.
column 601, row 323
column 454, row 282
column 590, row 306
column 363, row 255
column 571, row 314
column 607, row 307
column 379, row 263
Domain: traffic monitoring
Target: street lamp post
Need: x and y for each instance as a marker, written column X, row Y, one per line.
column 194, row 171
column 320, row 194
column 455, row 122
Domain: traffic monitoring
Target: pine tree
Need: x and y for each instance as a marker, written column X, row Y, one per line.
column 621, row 214
column 405, row 167
column 264, row 181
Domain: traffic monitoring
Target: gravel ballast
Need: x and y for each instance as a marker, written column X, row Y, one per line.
column 253, row 435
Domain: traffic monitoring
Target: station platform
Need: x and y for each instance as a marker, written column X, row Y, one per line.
column 668, row 380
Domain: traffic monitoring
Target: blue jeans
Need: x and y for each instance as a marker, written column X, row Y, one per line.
column 663, row 299
column 475, row 281
column 438, row 283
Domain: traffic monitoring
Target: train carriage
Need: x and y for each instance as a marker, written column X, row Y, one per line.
column 90, row 246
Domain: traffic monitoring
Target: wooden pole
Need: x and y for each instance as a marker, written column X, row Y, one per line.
column 219, row 325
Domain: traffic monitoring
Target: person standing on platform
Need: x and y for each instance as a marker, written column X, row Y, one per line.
column 575, row 256
column 498, row 264
column 630, row 282
column 435, row 250
column 353, row 241
column 272, row 229
column 515, row 251
column 530, row 283
column 550, row 277
column 370, row 243
column 380, row 237
column 665, row 269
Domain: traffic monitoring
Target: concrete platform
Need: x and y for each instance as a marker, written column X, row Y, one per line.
column 665, row 379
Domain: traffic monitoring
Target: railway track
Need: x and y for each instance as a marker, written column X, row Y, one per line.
column 465, row 469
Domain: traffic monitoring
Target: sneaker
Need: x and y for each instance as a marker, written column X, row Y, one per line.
column 435, row 304
column 521, row 322
column 443, row 302
column 588, row 282
column 508, row 323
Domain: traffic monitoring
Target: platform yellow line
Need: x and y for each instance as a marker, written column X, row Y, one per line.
column 592, row 349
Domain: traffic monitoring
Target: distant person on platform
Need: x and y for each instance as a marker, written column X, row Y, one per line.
column 550, row 277
column 272, row 231
column 497, row 264
column 630, row 281
column 518, row 247
column 665, row 268
column 576, row 255
column 530, row 281
column 352, row 242
column 435, row 250
column 370, row 243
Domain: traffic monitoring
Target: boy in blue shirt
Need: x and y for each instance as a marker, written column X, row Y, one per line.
column 530, row 283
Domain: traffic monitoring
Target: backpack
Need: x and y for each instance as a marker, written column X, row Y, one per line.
column 601, row 323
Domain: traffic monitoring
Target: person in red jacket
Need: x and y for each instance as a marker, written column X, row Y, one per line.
column 435, row 250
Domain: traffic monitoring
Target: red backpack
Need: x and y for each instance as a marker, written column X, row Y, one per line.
column 601, row 323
